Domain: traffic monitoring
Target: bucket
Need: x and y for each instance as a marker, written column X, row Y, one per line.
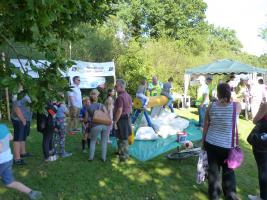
column 181, row 137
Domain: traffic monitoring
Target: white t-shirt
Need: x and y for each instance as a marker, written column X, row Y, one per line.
column 258, row 92
column 76, row 96
column 6, row 154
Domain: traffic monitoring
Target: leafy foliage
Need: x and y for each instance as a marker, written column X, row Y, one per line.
column 46, row 25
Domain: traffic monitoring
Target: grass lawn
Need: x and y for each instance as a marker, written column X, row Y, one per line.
column 76, row 178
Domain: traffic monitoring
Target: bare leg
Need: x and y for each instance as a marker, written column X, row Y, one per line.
column 20, row 187
column 22, row 147
column 16, row 146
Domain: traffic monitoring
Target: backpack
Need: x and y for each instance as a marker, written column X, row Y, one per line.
column 41, row 122
column 46, row 122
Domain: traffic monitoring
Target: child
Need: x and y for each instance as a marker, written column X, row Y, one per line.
column 141, row 91
column 6, row 173
column 85, row 123
column 60, row 130
column 109, row 103
column 166, row 91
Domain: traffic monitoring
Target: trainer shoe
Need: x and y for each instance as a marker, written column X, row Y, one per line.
column 251, row 197
column 66, row 154
column 19, row 162
column 35, row 195
column 25, row 155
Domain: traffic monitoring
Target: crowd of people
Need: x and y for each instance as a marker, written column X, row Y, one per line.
column 215, row 108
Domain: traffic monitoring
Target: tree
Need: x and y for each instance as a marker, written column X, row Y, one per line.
column 46, row 25
column 157, row 18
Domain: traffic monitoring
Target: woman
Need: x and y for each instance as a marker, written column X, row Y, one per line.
column 217, row 141
column 260, row 154
column 97, row 128
column 109, row 103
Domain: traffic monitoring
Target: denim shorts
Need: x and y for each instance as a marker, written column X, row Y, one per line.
column 20, row 131
column 6, row 173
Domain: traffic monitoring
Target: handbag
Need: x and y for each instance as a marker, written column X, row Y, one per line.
column 202, row 167
column 256, row 135
column 235, row 156
column 101, row 117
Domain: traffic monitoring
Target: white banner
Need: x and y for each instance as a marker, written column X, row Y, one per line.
column 90, row 82
column 92, row 69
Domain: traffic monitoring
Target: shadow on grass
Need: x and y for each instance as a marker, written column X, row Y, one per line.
column 160, row 178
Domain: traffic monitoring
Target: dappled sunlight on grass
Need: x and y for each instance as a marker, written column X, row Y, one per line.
column 102, row 183
column 24, row 172
column 3, row 189
column 77, row 179
column 42, row 173
column 163, row 171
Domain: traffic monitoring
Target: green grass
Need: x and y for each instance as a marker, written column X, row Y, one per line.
column 76, row 178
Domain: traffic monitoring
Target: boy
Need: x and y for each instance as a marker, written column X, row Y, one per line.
column 6, row 165
column 141, row 91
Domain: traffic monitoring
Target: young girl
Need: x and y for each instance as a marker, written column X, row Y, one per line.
column 85, row 123
column 60, row 130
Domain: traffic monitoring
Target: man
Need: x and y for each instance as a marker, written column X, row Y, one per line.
column 258, row 93
column 154, row 88
column 75, row 104
column 21, row 117
column 202, row 99
column 122, row 122
column 212, row 89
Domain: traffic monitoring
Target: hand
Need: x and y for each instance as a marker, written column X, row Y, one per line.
column 24, row 122
column 115, row 126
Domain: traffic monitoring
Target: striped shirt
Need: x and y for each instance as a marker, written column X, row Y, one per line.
column 220, row 126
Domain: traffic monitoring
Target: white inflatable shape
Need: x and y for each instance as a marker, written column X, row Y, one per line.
column 146, row 133
column 168, row 124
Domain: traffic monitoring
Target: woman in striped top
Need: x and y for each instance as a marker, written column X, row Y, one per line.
column 217, row 140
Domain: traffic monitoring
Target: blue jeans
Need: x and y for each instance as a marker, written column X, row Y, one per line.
column 6, row 172
column 201, row 114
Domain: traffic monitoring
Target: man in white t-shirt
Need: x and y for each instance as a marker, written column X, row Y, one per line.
column 75, row 104
column 258, row 93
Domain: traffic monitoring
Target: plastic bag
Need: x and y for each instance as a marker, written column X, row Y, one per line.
column 202, row 167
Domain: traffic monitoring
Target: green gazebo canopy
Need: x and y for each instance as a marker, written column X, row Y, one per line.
column 225, row 66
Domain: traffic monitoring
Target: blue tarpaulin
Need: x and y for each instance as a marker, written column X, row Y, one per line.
column 146, row 150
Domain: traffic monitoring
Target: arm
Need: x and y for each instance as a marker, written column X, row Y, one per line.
column 206, row 124
column 117, row 115
column 20, row 115
column 205, row 98
column 238, row 108
column 261, row 113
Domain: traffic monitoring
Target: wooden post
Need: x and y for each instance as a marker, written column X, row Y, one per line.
column 6, row 90
column 7, row 105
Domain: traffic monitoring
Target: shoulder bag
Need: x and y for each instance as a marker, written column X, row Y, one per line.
column 101, row 117
column 235, row 156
